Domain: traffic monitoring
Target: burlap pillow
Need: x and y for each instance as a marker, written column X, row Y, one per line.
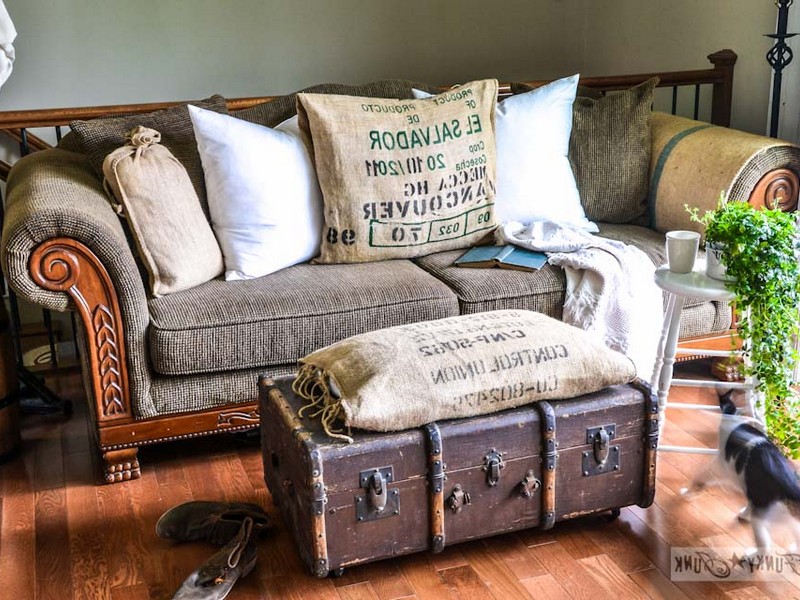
column 403, row 178
column 174, row 239
column 99, row 137
column 610, row 153
column 409, row 375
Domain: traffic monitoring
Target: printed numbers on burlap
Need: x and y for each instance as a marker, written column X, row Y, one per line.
column 403, row 178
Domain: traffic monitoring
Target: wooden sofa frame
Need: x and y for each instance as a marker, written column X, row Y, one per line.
column 65, row 265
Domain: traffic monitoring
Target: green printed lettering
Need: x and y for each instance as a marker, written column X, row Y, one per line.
column 375, row 138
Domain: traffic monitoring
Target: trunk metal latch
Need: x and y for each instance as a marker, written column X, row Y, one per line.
column 603, row 457
column 493, row 463
column 379, row 501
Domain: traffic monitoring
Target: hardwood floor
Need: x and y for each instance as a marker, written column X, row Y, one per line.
column 63, row 536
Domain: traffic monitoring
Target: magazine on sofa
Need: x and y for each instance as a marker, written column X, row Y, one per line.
column 504, row 257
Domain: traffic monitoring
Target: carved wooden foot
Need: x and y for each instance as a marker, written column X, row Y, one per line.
column 121, row 465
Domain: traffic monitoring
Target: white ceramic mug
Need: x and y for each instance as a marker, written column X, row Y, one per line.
column 682, row 250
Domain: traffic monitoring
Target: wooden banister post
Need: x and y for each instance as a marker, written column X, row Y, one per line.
column 724, row 62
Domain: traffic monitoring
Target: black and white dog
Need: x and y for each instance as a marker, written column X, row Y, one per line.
column 755, row 465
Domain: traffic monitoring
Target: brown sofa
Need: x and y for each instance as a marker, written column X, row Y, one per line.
column 187, row 364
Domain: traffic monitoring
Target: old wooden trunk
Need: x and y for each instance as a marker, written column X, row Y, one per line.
column 389, row 494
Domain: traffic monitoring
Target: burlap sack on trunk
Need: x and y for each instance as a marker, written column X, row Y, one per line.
column 154, row 192
column 406, row 376
column 403, row 178
column 691, row 162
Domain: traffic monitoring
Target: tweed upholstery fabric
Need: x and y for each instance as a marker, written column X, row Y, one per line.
column 689, row 155
column 55, row 193
column 99, row 137
column 281, row 317
column 70, row 142
column 610, row 153
column 699, row 316
column 279, row 109
column 185, row 393
column 480, row 290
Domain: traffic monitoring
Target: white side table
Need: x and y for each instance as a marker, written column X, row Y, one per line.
column 695, row 284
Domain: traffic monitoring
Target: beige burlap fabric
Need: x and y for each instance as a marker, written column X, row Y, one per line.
column 692, row 162
column 403, row 178
column 406, row 376
column 155, row 194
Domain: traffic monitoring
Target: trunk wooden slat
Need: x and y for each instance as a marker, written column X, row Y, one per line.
column 456, row 480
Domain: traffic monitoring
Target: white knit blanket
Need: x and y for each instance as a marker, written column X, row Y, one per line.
column 610, row 286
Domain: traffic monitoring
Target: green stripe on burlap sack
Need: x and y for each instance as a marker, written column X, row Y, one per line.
column 406, row 376
column 692, row 162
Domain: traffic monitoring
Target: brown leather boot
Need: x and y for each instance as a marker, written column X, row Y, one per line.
column 215, row 522
column 215, row 578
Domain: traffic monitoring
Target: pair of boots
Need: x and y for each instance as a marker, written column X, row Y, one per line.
column 234, row 526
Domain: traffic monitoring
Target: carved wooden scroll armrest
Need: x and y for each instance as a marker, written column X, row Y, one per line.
column 66, row 265
column 777, row 189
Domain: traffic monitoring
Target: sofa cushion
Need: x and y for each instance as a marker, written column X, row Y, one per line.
column 610, row 153
column 480, row 290
column 277, row 319
column 700, row 317
column 99, row 137
column 544, row 290
column 403, row 178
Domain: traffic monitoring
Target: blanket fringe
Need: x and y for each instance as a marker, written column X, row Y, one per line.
column 311, row 384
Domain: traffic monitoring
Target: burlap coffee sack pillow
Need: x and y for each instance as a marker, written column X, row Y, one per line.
column 155, row 194
column 409, row 375
column 403, row 178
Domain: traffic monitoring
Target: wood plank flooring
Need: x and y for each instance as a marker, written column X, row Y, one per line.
column 63, row 536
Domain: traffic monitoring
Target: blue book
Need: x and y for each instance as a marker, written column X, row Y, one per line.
column 504, row 257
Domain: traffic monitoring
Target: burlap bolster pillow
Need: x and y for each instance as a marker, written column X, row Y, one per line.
column 692, row 162
column 409, row 375
column 155, row 194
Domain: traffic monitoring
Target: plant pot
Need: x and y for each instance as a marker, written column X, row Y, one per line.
column 714, row 267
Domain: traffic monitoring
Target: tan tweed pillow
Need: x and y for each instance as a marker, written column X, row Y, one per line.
column 154, row 192
column 409, row 375
column 403, row 178
column 610, row 153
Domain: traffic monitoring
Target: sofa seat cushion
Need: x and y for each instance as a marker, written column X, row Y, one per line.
column 700, row 317
column 480, row 290
column 279, row 318
column 544, row 290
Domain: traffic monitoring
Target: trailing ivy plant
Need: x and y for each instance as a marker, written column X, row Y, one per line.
column 760, row 254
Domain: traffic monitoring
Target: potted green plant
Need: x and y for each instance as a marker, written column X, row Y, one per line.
column 759, row 250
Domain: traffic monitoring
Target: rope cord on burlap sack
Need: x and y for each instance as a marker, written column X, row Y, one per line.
column 311, row 384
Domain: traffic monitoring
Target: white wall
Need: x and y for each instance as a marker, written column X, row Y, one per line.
column 89, row 52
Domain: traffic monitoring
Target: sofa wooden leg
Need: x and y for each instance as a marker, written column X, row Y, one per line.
column 121, row 465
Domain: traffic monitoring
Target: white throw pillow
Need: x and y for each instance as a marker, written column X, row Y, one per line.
column 535, row 181
column 263, row 194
